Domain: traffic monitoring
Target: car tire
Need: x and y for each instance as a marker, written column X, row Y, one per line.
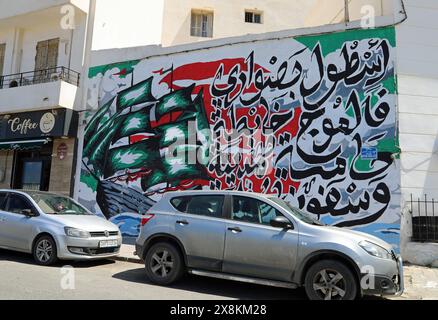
column 330, row 280
column 45, row 251
column 164, row 264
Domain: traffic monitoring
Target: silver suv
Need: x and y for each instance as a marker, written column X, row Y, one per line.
column 261, row 239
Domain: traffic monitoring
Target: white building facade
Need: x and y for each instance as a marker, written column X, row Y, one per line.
column 41, row 64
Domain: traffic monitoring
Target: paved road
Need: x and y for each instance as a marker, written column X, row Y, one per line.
column 20, row 278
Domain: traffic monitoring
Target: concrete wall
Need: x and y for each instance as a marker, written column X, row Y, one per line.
column 10, row 9
column 229, row 17
column 332, row 11
column 21, row 36
column 61, row 171
column 58, row 94
column 418, row 98
column 6, row 165
column 130, row 23
column 119, row 154
column 418, row 116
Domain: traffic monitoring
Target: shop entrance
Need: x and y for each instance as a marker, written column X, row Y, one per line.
column 32, row 169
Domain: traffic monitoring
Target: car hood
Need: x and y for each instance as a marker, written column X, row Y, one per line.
column 360, row 236
column 90, row 223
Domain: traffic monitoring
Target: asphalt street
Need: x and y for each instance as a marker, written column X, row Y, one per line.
column 20, row 278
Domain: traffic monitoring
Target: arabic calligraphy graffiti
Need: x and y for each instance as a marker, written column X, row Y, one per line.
column 289, row 117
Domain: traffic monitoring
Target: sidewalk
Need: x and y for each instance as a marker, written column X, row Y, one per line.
column 421, row 283
column 127, row 254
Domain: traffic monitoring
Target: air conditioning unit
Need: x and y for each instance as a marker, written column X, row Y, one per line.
column 54, row 77
column 13, row 84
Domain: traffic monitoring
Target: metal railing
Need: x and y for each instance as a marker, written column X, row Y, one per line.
column 424, row 219
column 40, row 76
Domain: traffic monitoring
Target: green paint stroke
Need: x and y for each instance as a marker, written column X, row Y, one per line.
column 334, row 41
column 89, row 180
column 390, row 145
column 128, row 66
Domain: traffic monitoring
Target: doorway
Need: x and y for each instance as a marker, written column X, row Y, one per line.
column 32, row 169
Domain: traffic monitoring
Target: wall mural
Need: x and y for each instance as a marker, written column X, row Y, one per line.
column 310, row 119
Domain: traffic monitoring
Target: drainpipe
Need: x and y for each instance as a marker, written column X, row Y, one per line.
column 346, row 11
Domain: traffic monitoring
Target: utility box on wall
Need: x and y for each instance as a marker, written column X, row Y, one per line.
column 311, row 119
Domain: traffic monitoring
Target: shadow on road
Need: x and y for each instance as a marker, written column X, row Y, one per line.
column 231, row 289
column 226, row 288
column 19, row 257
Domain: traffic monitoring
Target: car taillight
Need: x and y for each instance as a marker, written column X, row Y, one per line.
column 145, row 219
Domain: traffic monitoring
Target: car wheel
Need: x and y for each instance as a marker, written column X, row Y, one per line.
column 330, row 280
column 44, row 251
column 164, row 264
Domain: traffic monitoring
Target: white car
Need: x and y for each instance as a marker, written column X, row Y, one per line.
column 53, row 227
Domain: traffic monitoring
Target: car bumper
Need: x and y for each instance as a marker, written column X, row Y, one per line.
column 138, row 251
column 388, row 284
column 71, row 248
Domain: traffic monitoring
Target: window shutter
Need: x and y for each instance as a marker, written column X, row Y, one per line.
column 210, row 25
column 196, row 25
column 248, row 16
column 2, row 57
column 46, row 58
column 52, row 53
column 201, row 24
column 47, row 54
column 257, row 18
column 41, row 55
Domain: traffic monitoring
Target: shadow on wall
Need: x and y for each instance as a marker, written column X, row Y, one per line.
column 183, row 34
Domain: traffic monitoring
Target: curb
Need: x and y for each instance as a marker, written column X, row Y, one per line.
column 128, row 259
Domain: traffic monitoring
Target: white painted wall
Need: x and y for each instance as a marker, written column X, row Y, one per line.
column 21, row 35
column 14, row 8
column 332, row 11
column 127, row 23
column 229, row 17
column 57, row 94
column 418, row 98
column 418, row 115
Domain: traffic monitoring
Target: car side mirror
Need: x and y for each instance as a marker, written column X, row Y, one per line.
column 281, row 222
column 28, row 213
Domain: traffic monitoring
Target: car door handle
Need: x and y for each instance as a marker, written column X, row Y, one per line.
column 236, row 229
column 182, row 222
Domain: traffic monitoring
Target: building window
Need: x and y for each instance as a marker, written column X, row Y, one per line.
column 202, row 24
column 253, row 17
column 2, row 57
column 47, row 54
column 46, row 59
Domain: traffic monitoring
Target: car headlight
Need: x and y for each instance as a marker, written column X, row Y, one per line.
column 76, row 233
column 375, row 250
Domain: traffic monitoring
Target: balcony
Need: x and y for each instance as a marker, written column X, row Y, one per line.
column 40, row 76
column 41, row 89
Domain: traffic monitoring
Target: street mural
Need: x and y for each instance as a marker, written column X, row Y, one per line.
column 310, row 119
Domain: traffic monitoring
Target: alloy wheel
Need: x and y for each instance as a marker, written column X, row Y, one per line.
column 44, row 250
column 162, row 263
column 329, row 284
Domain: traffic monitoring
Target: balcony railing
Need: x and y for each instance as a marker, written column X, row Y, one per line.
column 40, row 76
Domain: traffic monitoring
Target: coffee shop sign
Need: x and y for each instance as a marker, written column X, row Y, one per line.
column 46, row 124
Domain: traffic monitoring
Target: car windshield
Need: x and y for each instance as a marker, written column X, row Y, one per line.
column 296, row 212
column 59, row 205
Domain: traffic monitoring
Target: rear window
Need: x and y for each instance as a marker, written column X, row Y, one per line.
column 210, row 206
column 2, row 200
